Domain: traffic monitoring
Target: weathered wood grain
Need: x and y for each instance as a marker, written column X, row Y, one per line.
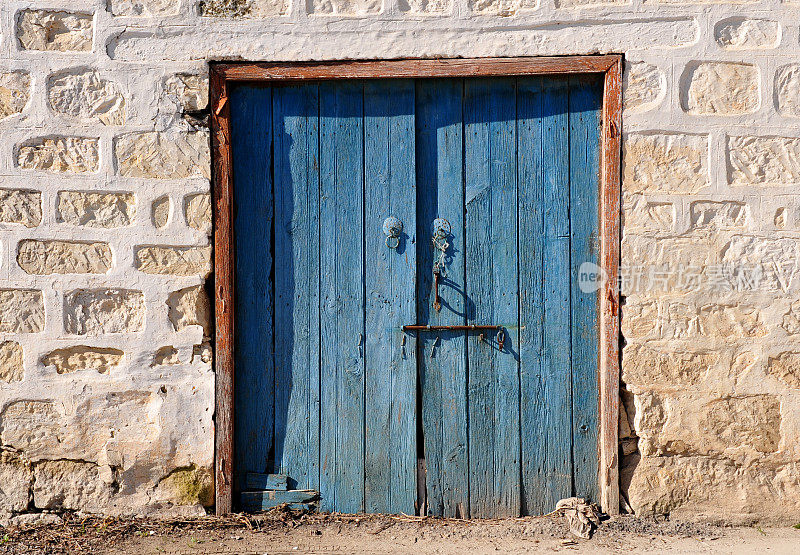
column 254, row 480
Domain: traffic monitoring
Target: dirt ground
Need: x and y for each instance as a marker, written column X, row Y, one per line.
column 284, row 532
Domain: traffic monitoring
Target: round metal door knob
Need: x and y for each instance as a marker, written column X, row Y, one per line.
column 392, row 228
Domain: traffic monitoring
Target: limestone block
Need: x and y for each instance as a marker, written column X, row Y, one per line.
column 243, row 8
column 82, row 357
column 189, row 91
column 190, row 307
column 644, row 87
column 144, row 8
column 719, row 215
column 665, row 163
column 202, row 353
column 20, row 206
column 672, row 253
column 60, row 154
column 11, row 367
column 198, row 212
column 21, row 311
column 767, row 161
column 722, row 88
column 25, row 424
column 15, row 481
column 643, row 215
column 787, row 90
column 70, row 485
column 502, row 7
column 85, row 96
column 425, row 6
column 187, row 486
column 714, row 321
column 14, row 92
column 160, row 211
column 166, row 356
column 64, row 257
column 639, row 319
column 176, row 261
column 100, row 311
column 346, row 7
column 88, row 209
column 645, row 367
column 740, row 33
column 163, row 155
column 786, row 367
column 56, row 31
column 791, row 320
column 776, row 257
column 753, row 421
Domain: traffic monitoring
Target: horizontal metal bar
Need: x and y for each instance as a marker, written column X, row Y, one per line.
column 450, row 328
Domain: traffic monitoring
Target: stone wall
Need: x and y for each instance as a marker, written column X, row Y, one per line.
column 106, row 385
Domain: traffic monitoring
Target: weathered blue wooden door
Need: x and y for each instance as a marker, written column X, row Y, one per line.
column 329, row 388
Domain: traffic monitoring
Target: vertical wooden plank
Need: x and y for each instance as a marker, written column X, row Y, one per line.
column 391, row 372
column 342, row 291
column 492, row 285
column 608, row 473
column 251, row 115
column 223, row 292
column 584, row 105
column 297, row 232
column 442, row 357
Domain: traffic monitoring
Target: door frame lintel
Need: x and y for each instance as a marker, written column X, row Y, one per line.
column 224, row 74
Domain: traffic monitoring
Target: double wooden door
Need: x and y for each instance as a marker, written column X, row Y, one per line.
column 329, row 388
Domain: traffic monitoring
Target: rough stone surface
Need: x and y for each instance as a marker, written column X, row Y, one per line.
column 52, row 30
column 11, row 365
column 425, row 6
column 243, row 8
column 786, row 368
column 346, row 7
column 71, row 485
column 647, row 368
column 190, row 307
column 501, row 7
column 649, row 215
column 190, row 91
column 64, row 257
column 20, row 206
column 82, row 357
column 589, row 3
column 722, row 89
column 14, row 92
column 160, row 156
column 644, row 86
column 198, row 212
column 176, row 261
column 166, row 356
column 21, row 311
column 787, row 90
column 747, row 34
column 187, row 486
column 720, row 215
column 15, row 481
column 145, row 8
column 100, row 311
column 768, row 161
column 59, row 154
column 160, row 211
column 95, row 209
column 85, row 96
column 661, row 163
column 791, row 320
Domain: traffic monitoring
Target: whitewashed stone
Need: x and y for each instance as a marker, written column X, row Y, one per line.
column 70, row 485
column 57, row 31
column 665, row 163
column 21, row 311
column 645, row 367
column 59, row 154
column 714, row 321
column 64, row 257
column 166, row 356
column 786, row 367
column 779, row 219
column 190, row 91
column 11, row 365
column 88, row 209
column 100, row 311
column 639, row 319
column 777, row 259
column 643, row 215
column 722, row 88
column 791, row 320
column 787, row 90
column 187, row 486
column 82, row 357
column 15, row 482
column 176, row 261
column 20, row 206
column 190, row 307
column 32, row 520
column 14, row 92
column 243, row 8
column 747, row 34
column 589, row 3
column 198, row 212
column 767, row 161
column 160, row 211
column 501, row 7
column 202, row 353
column 719, row 215
column 425, row 6
column 644, row 87
column 85, row 96
column 346, row 7
column 163, row 155
column 144, row 8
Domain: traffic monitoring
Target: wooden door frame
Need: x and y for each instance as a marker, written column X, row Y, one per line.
column 225, row 74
